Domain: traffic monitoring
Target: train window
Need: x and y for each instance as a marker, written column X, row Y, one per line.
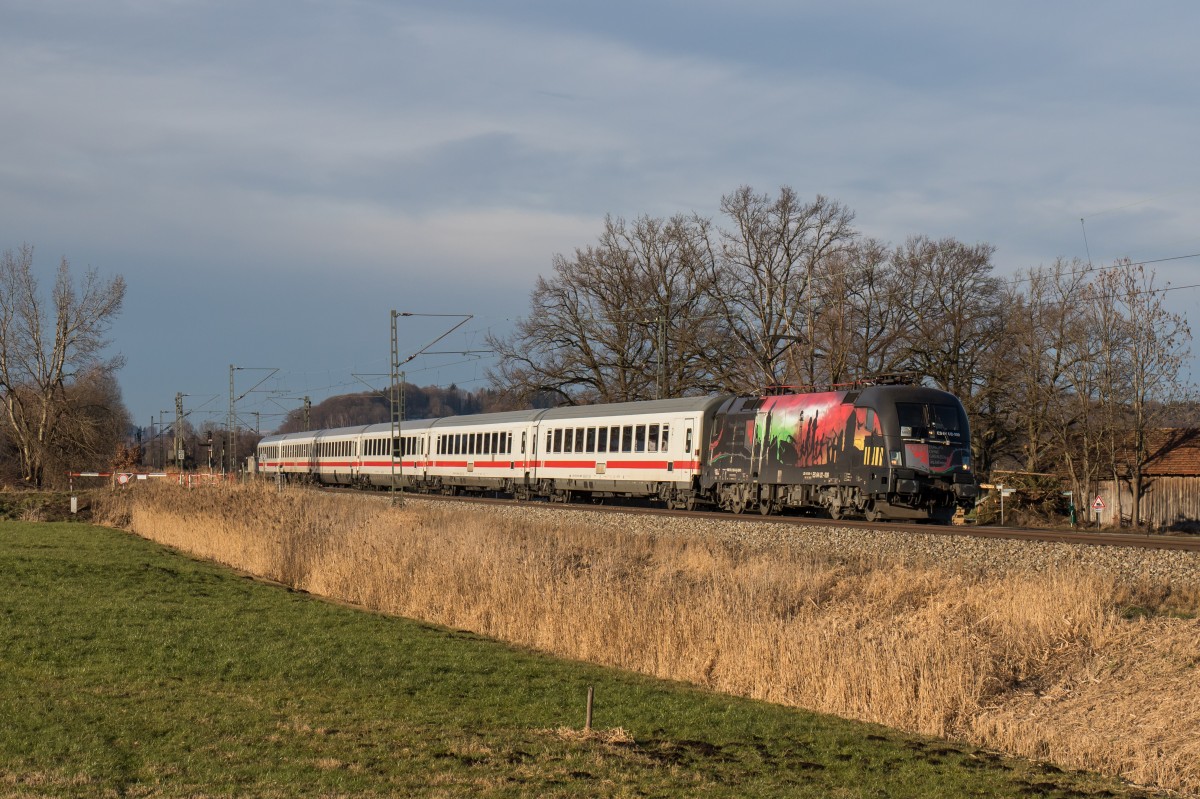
column 591, row 439
column 639, row 438
column 652, row 438
column 943, row 420
column 614, row 439
column 557, row 442
column 568, row 440
column 920, row 421
column 666, row 428
column 627, row 438
column 579, row 439
column 602, row 439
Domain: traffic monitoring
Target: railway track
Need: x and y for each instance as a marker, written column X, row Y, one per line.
column 1179, row 543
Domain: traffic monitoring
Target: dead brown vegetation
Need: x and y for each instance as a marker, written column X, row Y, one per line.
column 1044, row 666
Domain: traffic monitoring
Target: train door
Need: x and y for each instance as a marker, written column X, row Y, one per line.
column 527, row 456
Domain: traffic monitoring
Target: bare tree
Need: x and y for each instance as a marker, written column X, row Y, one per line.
column 762, row 269
column 615, row 320
column 46, row 347
column 1157, row 346
column 862, row 314
column 93, row 425
column 956, row 306
column 1043, row 321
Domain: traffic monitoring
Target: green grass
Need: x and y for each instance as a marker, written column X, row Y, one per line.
column 130, row 670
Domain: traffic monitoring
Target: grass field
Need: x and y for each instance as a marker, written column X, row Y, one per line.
column 130, row 670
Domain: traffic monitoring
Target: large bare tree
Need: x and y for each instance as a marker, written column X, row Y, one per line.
column 46, row 346
column 617, row 321
column 763, row 267
column 1157, row 345
column 863, row 315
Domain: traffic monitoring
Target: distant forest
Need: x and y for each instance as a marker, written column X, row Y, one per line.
column 428, row 402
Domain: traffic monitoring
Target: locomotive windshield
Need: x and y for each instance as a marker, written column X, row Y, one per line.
column 921, row 420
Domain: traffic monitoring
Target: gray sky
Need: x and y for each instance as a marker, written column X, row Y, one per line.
column 272, row 178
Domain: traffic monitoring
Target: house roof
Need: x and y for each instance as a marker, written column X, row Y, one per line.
column 1173, row 452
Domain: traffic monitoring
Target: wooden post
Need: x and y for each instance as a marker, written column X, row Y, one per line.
column 587, row 724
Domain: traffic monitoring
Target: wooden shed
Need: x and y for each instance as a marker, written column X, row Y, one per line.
column 1171, row 492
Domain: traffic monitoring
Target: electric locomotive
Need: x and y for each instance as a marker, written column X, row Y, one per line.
column 883, row 451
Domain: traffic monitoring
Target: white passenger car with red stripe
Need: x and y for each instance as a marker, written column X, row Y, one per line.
column 640, row 449
column 635, row 449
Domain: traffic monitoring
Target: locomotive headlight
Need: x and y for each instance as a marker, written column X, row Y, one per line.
column 896, row 458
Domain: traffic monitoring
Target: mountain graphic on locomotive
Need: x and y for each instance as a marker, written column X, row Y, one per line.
column 879, row 451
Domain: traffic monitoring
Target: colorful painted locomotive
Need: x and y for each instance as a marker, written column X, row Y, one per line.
column 896, row 452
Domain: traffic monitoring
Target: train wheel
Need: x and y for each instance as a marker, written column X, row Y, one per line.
column 873, row 514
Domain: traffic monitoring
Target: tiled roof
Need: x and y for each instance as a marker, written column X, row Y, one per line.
column 1174, row 451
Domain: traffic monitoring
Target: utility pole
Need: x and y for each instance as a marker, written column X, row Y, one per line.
column 396, row 406
column 162, row 440
column 179, row 430
column 232, row 449
column 230, row 457
column 396, row 394
column 307, row 414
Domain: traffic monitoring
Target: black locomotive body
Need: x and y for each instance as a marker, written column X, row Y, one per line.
column 881, row 452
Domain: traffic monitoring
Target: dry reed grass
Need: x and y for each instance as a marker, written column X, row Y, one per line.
column 1036, row 665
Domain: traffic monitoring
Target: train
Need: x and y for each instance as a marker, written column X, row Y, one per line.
column 879, row 452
